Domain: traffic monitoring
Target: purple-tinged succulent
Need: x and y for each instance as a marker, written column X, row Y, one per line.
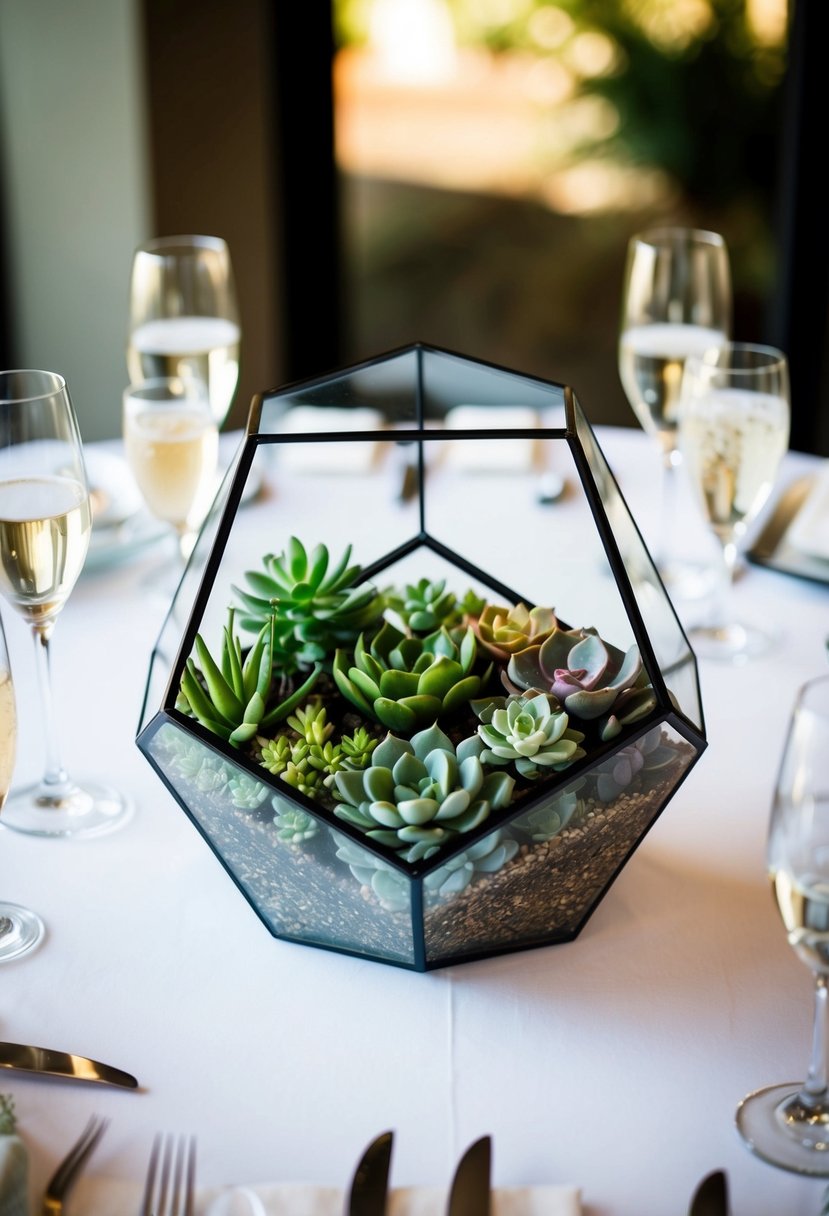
column 591, row 678
column 647, row 755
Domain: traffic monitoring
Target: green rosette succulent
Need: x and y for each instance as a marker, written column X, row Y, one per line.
column 389, row 886
column 418, row 795
column 229, row 697
column 505, row 631
column 317, row 607
column 422, row 607
column 357, row 748
column 293, row 826
column 246, row 792
column 533, row 732
column 486, row 857
column 591, row 678
column 543, row 822
column 405, row 682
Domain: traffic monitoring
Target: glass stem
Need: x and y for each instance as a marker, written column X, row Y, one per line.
column 670, row 460
column 55, row 783
column 721, row 612
column 813, row 1092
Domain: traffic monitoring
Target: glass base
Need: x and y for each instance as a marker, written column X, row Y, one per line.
column 799, row 1145
column 84, row 809
column 20, row 931
column 733, row 643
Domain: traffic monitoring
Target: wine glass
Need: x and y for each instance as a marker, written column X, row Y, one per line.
column 733, row 432
column 45, row 522
column 676, row 302
column 788, row 1125
column 171, row 441
column 20, row 929
column 183, row 316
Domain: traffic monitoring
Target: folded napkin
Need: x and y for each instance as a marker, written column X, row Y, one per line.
column 98, row 1196
column 809, row 530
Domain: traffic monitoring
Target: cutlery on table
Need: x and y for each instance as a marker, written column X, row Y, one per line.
column 65, row 1175
column 170, row 1186
column 711, row 1196
column 470, row 1194
column 370, row 1184
column 62, row 1064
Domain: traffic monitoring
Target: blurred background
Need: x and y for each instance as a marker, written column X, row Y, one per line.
column 460, row 172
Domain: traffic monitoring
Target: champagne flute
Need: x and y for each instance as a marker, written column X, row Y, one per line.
column 171, row 442
column 45, row 523
column 183, row 316
column 676, row 302
column 733, row 432
column 788, row 1125
column 20, row 929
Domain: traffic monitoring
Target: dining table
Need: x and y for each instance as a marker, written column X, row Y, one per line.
column 614, row 1062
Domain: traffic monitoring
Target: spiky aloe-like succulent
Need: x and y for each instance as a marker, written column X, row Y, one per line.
column 504, row 631
column 418, row 795
column 590, row 677
column 230, row 697
column 530, row 731
column 317, row 607
column 405, row 682
column 650, row 754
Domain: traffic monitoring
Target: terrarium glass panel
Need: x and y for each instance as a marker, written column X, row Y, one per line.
column 420, row 713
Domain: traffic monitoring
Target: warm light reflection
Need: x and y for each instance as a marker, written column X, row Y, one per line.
column 550, row 27
column 414, row 40
column 592, row 53
column 672, row 24
column 768, row 20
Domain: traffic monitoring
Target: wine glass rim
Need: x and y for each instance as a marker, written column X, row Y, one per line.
column 58, row 385
column 184, row 241
column 775, row 358
column 662, row 233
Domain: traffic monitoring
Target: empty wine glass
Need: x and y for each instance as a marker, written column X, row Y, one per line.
column 183, row 316
column 45, row 522
column 20, row 929
column 676, row 302
column 171, row 442
column 788, row 1125
column 733, row 432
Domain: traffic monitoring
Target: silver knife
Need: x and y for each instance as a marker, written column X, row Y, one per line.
column 369, row 1186
column 711, row 1196
column 62, row 1064
column 470, row 1193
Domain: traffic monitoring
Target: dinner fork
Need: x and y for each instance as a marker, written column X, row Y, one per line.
column 64, row 1177
column 171, row 1177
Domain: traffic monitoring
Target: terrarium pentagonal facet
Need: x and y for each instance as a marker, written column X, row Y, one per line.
column 418, row 714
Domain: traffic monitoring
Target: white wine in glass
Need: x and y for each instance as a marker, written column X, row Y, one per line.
column 171, row 441
column 676, row 303
column 45, row 524
column 788, row 1125
column 20, row 929
column 734, row 431
column 183, row 316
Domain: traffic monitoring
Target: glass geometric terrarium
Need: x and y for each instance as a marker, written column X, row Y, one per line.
column 419, row 714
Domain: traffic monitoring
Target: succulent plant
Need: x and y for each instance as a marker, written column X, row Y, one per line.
column 486, row 857
column 405, row 682
column 416, row 796
column 544, row 822
column 293, row 826
column 317, row 608
column 357, row 748
column 422, row 607
column 305, row 758
column 591, row 678
column 504, row 631
column 389, row 886
column 246, row 792
column 230, row 697
column 646, row 755
column 196, row 764
column 531, row 731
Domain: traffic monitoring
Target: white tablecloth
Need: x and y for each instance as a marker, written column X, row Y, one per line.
column 614, row 1062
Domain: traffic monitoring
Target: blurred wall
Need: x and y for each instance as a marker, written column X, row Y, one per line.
column 77, row 195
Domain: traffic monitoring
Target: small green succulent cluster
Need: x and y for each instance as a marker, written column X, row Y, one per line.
column 304, row 754
column 427, row 605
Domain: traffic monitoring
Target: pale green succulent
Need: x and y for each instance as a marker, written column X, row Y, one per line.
column 246, row 792
column 418, row 795
column 275, row 754
column 230, row 697
column 357, row 748
column 422, row 607
column 530, row 731
column 406, row 682
column 317, row 608
column 544, row 822
column 591, row 678
column 311, row 723
column 486, row 857
column 293, row 826
column 505, row 631
column 390, row 887
column 196, row 764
